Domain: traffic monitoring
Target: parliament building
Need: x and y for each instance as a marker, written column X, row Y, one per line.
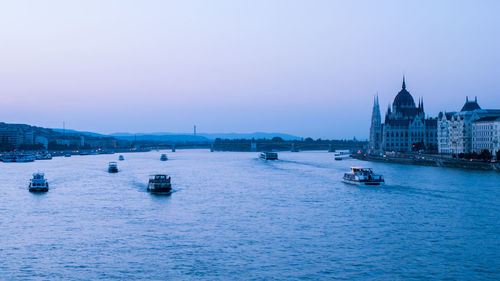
column 405, row 127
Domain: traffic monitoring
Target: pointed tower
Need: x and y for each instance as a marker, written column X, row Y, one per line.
column 375, row 128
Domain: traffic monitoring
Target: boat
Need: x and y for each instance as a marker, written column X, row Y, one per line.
column 113, row 167
column 44, row 156
column 163, row 157
column 9, row 158
column 341, row 155
column 25, row 158
column 121, row 158
column 67, row 155
column 38, row 183
column 159, row 184
column 18, row 157
column 269, row 155
column 363, row 176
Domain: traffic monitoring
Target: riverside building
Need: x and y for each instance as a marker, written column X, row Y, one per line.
column 455, row 129
column 486, row 134
column 405, row 128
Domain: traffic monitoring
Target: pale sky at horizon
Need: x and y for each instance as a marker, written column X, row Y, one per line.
column 307, row 68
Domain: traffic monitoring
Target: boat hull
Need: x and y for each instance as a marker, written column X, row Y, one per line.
column 161, row 192
column 160, row 188
column 39, row 188
column 362, row 182
column 268, row 156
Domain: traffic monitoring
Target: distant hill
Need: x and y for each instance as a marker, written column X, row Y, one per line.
column 176, row 137
column 256, row 135
column 160, row 137
column 166, row 136
column 79, row 132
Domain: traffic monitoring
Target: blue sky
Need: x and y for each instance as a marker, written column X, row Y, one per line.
column 308, row 68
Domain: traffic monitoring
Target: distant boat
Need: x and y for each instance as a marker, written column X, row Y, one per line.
column 9, row 158
column 44, row 156
column 363, row 176
column 268, row 155
column 38, row 183
column 24, row 157
column 163, row 157
column 113, row 167
column 159, row 184
column 121, row 158
column 341, row 155
column 18, row 157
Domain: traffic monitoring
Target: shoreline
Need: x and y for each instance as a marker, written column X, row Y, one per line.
column 432, row 161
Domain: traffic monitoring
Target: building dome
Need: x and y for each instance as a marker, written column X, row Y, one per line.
column 404, row 98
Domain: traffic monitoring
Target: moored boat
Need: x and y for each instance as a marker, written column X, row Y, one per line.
column 363, row 176
column 163, row 157
column 25, row 158
column 113, row 167
column 18, row 157
column 44, row 156
column 8, row 158
column 38, row 183
column 121, row 158
column 159, row 184
column 341, row 155
column 269, row 155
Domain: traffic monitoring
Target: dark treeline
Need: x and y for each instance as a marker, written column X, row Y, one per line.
column 484, row 155
column 278, row 143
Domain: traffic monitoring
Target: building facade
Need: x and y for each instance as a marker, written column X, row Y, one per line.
column 376, row 128
column 455, row 128
column 486, row 134
column 11, row 136
column 405, row 128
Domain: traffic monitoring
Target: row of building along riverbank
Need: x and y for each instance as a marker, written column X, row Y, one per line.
column 467, row 133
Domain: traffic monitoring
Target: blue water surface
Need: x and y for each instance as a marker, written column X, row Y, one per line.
column 234, row 216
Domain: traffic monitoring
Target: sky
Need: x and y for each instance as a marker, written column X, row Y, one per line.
column 308, row 68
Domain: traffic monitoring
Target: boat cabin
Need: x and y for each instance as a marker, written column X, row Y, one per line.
column 269, row 155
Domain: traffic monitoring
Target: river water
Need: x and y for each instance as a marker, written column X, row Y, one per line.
column 233, row 216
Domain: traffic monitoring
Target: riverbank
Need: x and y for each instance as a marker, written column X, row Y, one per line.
column 431, row 160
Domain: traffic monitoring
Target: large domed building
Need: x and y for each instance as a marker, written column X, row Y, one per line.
column 405, row 128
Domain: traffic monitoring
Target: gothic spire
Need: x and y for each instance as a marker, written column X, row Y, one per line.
column 404, row 82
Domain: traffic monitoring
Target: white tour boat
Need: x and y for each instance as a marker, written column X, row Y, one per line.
column 269, row 155
column 159, row 184
column 363, row 176
column 38, row 183
column 113, row 167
